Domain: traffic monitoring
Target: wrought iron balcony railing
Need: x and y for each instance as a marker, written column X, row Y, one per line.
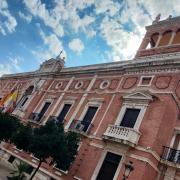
column 171, row 155
column 36, row 117
column 80, row 127
column 122, row 134
column 52, row 118
column 55, row 118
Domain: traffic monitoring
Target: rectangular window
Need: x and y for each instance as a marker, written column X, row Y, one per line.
column 11, row 159
column 88, row 117
column 43, row 110
column 63, row 112
column 145, row 80
column 130, row 117
column 23, row 102
column 109, row 166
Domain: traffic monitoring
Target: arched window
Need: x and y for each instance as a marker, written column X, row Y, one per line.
column 152, row 41
column 176, row 39
column 165, row 38
column 26, row 96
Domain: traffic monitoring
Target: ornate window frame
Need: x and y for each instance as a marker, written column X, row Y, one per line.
column 136, row 100
column 141, row 80
column 71, row 102
column 58, row 85
column 104, row 84
column 91, row 103
column 101, row 160
column 79, row 84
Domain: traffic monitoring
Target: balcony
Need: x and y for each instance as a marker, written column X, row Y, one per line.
column 170, row 156
column 36, row 118
column 80, row 127
column 52, row 118
column 122, row 134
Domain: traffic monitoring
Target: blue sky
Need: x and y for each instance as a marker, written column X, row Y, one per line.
column 88, row 31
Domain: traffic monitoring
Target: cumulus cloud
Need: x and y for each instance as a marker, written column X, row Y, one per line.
column 5, row 69
column 76, row 45
column 37, row 8
column 53, row 46
column 16, row 63
column 12, row 65
column 107, row 6
column 27, row 18
column 8, row 23
column 108, row 19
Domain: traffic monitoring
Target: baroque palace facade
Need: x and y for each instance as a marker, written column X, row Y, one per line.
column 124, row 111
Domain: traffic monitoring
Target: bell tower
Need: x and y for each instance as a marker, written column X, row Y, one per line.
column 161, row 37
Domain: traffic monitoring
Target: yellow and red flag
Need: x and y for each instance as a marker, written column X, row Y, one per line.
column 8, row 102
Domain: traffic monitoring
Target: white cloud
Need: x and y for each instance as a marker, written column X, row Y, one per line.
column 124, row 44
column 27, row 18
column 13, row 65
column 61, row 13
column 16, row 63
column 76, row 45
column 9, row 23
column 50, row 19
column 124, row 41
column 5, row 69
column 53, row 47
column 107, row 6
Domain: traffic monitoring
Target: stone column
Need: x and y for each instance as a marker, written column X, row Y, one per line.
column 159, row 38
column 172, row 38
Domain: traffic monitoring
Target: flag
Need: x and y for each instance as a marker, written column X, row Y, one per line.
column 8, row 102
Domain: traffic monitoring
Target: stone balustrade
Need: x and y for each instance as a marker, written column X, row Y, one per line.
column 121, row 134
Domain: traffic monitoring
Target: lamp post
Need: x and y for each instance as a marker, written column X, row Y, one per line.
column 128, row 168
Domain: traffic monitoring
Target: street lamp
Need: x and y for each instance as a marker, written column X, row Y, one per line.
column 128, row 168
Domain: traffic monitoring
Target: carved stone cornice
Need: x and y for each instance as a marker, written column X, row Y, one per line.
column 153, row 64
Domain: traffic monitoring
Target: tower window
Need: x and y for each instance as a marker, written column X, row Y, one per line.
column 176, row 39
column 165, row 38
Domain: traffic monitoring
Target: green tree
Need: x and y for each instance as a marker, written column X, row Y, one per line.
column 48, row 141
column 22, row 137
column 8, row 126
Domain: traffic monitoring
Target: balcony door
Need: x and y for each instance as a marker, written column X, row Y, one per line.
column 88, row 117
column 63, row 112
column 43, row 110
column 130, row 117
column 109, row 166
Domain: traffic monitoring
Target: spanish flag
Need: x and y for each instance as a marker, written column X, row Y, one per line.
column 8, row 102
